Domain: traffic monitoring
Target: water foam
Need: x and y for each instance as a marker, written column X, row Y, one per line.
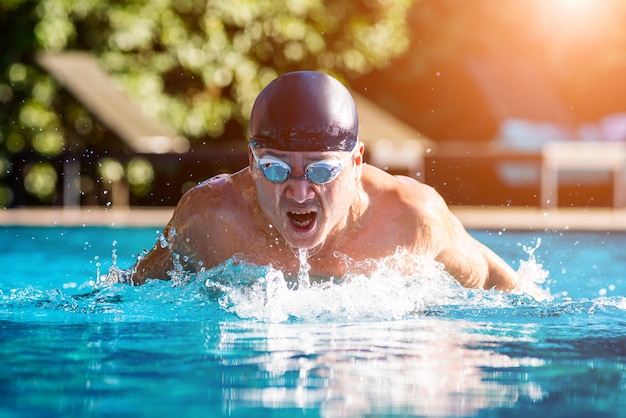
column 399, row 286
column 531, row 276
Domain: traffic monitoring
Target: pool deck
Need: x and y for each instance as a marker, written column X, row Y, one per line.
column 496, row 218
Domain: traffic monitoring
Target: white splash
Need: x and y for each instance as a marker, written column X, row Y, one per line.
column 304, row 281
column 396, row 287
column 389, row 292
column 531, row 275
column 399, row 286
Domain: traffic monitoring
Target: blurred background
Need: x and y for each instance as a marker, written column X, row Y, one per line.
column 131, row 103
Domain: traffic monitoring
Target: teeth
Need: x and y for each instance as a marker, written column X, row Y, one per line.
column 302, row 219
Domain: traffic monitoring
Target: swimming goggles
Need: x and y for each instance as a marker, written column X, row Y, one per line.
column 320, row 172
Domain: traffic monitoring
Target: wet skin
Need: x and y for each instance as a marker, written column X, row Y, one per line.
column 364, row 213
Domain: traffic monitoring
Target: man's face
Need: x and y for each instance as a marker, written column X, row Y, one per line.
column 303, row 212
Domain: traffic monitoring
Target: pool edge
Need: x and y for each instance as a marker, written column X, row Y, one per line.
column 122, row 217
column 535, row 218
column 486, row 217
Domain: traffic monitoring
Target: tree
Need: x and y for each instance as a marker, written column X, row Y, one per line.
column 195, row 64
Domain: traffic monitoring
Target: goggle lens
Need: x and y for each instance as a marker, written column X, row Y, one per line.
column 278, row 171
column 323, row 172
column 273, row 169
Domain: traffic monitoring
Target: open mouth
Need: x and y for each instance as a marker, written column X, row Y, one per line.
column 302, row 221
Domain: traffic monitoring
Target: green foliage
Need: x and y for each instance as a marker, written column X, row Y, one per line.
column 197, row 65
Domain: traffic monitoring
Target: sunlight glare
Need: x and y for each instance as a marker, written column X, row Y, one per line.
column 572, row 7
column 572, row 19
column 570, row 11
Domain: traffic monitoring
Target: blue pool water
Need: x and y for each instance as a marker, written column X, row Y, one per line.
column 238, row 341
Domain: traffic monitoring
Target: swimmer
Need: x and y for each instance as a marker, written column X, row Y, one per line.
column 308, row 188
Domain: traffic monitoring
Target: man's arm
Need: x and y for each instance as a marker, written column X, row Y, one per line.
column 178, row 245
column 472, row 263
column 154, row 265
column 501, row 276
column 159, row 261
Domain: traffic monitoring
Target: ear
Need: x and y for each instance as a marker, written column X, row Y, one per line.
column 358, row 157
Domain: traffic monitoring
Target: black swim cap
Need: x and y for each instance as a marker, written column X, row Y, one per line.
column 304, row 111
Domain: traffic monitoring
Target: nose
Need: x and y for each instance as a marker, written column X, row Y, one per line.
column 300, row 190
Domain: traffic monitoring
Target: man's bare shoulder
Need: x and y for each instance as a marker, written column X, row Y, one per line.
column 414, row 210
column 404, row 191
column 218, row 196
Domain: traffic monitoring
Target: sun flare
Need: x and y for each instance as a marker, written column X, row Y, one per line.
column 571, row 11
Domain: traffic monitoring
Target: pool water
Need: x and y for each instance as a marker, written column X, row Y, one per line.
column 240, row 341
